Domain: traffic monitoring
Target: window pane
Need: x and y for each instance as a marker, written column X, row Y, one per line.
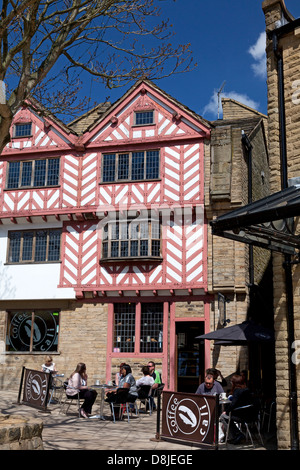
column 134, row 230
column 43, row 333
column 114, row 249
column 144, row 230
column 151, row 327
column 152, row 164
column 13, row 175
column 54, row 245
column 27, row 246
column 40, row 173
column 123, row 166
column 155, row 248
column 53, row 172
column 45, row 337
column 124, row 249
column 18, row 331
column 40, row 245
column 144, row 248
column 14, row 247
column 105, row 250
column 137, row 172
column 109, row 165
column 144, row 117
column 124, row 327
column 115, row 231
column 22, row 130
column 134, row 248
column 26, row 174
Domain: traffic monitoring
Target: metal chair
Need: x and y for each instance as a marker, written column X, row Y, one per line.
column 268, row 411
column 69, row 400
column 155, row 392
column 120, row 402
column 249, row 416
column 57, row 389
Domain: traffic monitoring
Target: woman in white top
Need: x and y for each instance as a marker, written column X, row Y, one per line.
column 49, row 365
column 77, row 383
column 145, row 380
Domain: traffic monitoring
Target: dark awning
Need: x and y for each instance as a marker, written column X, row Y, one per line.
column 241, row 333
column 268, row 222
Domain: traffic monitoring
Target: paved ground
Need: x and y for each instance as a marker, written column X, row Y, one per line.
column 68, row 432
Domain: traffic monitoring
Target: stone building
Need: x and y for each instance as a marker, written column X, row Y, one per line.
column 273, row 221
column 106, row 256
column 283, row 61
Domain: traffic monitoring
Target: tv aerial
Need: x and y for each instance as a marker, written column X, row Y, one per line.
column 219, row 95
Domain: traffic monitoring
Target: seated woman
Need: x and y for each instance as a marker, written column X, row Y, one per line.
column 146, row 380
column 241, row 396
column 49, row 365
column 78, row 381
column 127, row 390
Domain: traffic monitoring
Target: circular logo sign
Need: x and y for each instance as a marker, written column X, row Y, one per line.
column 186, row 417
column 43, row 332
column 36, row 387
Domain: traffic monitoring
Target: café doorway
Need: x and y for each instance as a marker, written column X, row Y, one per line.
column 189, row 356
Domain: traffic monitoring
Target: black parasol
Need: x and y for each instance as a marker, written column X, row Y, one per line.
column 240, row 334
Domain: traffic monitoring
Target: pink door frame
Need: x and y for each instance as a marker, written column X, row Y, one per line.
column 173, row 321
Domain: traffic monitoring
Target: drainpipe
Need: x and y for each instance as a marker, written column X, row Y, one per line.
column 287, row 262
column 248, row 147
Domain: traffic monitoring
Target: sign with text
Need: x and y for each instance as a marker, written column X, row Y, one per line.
column 36, row 388
column 190, row 417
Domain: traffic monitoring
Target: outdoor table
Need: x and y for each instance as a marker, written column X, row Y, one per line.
column 224, row 402
column 102, row 388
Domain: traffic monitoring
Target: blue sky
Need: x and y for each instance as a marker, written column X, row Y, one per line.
column 227, row 40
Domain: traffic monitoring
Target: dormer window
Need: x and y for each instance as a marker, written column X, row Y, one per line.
column 143, row 118
column 22, row 130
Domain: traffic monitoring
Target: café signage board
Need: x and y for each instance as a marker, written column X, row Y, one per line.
column 190, row 417
column 36, row 387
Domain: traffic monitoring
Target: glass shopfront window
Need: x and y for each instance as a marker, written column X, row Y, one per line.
column 32, row 331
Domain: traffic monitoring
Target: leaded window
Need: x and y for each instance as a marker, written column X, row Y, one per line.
column 143, row 118
column 130, row 166
column 34, row 246
column 151, row 327
column 33, row 173
column 136, row 238
column 22, row 129
column 126, row 316
column 124, row 331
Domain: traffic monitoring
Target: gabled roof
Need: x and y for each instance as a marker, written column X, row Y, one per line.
column 117, row 105
column 267, row 223
column 87, row 120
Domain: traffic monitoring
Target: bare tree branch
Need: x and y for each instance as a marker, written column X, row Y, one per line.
column 103, row 38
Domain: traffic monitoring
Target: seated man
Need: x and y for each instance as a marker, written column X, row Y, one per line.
column 157, row 381
column 210, row 386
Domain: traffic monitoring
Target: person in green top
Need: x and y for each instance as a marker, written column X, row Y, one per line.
column 157, row 381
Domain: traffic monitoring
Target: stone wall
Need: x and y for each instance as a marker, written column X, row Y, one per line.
column 82, row 338
column 19, row 433
column 289, row 44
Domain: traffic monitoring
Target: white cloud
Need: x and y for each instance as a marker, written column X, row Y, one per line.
column 258, row 52
column 210, row 111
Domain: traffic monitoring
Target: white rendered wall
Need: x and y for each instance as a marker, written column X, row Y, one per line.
column 29, row 281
